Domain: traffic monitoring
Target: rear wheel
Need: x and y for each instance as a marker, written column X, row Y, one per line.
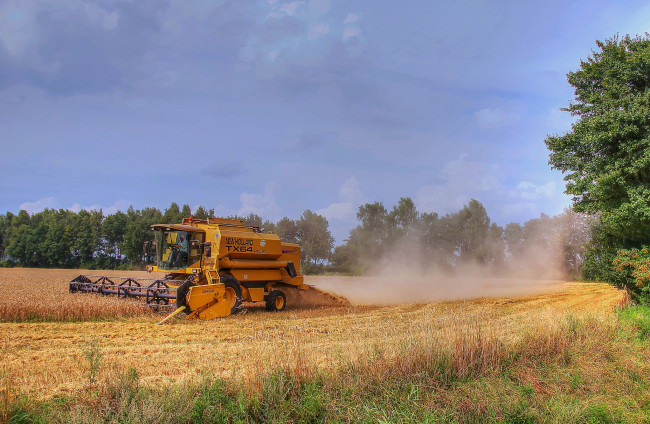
column 276, row 301
column 233, row 294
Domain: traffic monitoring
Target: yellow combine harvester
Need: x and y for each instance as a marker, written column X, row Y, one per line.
column 212, row 266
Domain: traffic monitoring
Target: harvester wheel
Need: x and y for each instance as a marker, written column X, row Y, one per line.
column 276, row 301
column 233, row 293
column 181, row 296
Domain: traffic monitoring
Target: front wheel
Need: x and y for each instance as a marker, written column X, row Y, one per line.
column 233, row 294
column 181, row 295
column 276, row 301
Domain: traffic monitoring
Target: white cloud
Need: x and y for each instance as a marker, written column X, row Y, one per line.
column 76, row 207
column 351, row 32
column 459, row 180
column 291, row 9
column 494, row 117
column 532, row 191
column 310, row 35
column 120, row 205
column 19, row 23
column 519, row 209
column 351, row 19
column 317, row 30
column 260, row 204
column 350, row 196
column 52, row 203
column 18, row 29
column 39, row 205
column 350, row 191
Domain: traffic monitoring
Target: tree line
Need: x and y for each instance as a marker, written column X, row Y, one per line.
column 88, row 239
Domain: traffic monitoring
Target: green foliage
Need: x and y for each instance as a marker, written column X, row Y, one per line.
column 606, row 155
column 639, row 317
column 137, row 231
column 216, row 404
column 637, row 263
column 287, row 229
column 316, row 241
column 93, row 355
column 173, row 214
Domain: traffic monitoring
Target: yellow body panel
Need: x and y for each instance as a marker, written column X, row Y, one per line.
column 249, row 275
column 253, row 294
column 220, row 309
column 200, row 295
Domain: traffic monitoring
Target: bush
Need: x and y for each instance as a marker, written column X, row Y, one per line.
column 7, row 264
column 635, row 264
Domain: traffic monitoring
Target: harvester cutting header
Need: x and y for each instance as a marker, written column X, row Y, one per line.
column 212, row 266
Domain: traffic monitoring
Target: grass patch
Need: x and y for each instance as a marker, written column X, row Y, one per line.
column 639, row 317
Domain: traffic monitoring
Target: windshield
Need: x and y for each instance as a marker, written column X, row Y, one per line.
column 177, row 249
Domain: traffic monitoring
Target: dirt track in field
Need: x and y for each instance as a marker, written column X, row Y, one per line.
column 46, row 358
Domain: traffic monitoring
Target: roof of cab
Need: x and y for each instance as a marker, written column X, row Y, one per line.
column 177, row 227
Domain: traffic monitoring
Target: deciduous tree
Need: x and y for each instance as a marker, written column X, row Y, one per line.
column 606, row 155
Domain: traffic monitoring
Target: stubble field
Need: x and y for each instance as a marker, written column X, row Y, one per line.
column 48, row 337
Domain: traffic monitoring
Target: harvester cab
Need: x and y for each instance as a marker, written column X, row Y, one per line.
column 212, row 266
column 178, row 248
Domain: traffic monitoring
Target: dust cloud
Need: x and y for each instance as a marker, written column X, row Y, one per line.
column 408, row 278
column 313, row 298
column 387, row 290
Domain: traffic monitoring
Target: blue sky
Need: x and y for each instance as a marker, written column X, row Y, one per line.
column 274, row 107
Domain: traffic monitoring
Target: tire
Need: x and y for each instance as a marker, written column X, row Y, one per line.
column 181, row 296
column 233, row 293
column 276, row 301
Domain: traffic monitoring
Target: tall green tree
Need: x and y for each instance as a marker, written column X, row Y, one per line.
column 138, row 231
column 287, row 230
column 253, row 219
column 472, row 229
column 113, row 232
column 5, row 225
column 404, row 217
column 203, row 213
column 315, row 239
column 606, row 155
column 173, row 214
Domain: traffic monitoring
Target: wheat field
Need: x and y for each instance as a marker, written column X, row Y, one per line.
column 47, row 357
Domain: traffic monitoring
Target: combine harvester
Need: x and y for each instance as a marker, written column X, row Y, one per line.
column 212, row 266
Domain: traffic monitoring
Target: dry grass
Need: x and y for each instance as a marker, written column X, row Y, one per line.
column 475, row 336
column 42, row 295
